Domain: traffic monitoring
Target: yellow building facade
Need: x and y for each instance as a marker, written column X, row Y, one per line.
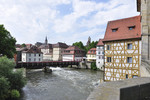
column 121, row 61
column 122, row 47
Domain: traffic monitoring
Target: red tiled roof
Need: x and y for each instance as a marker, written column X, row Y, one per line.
column 92, row 51
column 123, row 31
column 46, row 46
column 33, row 49
column 100, row 42
column 60, row 45
column 73, row 48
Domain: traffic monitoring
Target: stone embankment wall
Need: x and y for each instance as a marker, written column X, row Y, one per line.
column 131, row 89
column 145, row 68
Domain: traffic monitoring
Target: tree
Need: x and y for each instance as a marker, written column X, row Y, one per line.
column 14, row 94
column 92, row 45
column 4, row 88
column 10, row 79
column 17, row 81
column 7, row 43
column 23, row 45
column 93, row 66
column 80, row 45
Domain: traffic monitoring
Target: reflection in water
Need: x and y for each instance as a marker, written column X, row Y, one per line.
column 61, row 84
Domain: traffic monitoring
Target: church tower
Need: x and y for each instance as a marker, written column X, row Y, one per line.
column 143, row 6
column 89, row 41
column 46, row 41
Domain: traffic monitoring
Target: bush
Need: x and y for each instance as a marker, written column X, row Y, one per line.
column 17, row 81
column 4, row 88
column 15, row 94
column 93, row 66
column 9, row 79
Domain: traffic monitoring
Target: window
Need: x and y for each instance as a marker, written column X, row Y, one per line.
column 114, row 30
column 99, row 57
column 39, row 59
column 102, row 57
column 29, row 59
column 98, row 52
column 34, row 59
column 29, row 54
column 131, row 27
column 34, row 54
column 126, row 76
column 39, row 55
column 129, row 59
column 108, row 47
column 134, row 76
column 129, row 46
column 108, row 59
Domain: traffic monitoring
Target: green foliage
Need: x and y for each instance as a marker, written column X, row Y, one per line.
column 11, row 79
column 92, row 45
column 6, row 66
column 7, row 44
column 15, row 94
column 81, row 46
column 17, row 81
column 23, row 45
column 4, row 88
column 93, row 66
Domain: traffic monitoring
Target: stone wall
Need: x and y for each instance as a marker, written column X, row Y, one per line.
column 131, row 89
column 145, row 68
column 145, row 22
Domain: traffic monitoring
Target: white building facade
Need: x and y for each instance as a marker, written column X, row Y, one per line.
column 32, row 55
column 100, row 55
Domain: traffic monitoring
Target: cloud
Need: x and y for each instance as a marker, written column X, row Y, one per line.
column 30, row 21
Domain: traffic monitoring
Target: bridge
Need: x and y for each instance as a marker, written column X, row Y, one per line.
column 39, row 65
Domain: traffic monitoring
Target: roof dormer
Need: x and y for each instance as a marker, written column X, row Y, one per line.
column 131, row 27
column 114, row 29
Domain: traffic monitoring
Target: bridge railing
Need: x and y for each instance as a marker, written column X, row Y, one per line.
column 45, row 63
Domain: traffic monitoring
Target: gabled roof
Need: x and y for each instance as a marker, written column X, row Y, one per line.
column 22, row 49
column 100, row 42
column 122, row 29
column 33, row 49
column 92, row 51
column 73, row 48
column 46, row 46
column 60, row 45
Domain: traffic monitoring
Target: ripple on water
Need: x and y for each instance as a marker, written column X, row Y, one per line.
column 62, row 84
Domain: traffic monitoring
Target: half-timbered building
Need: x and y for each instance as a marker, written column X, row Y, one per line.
column 122, row 44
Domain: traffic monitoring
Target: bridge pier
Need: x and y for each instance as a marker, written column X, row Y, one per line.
column 46, row 69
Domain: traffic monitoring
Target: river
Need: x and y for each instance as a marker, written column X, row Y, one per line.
column 61, row 84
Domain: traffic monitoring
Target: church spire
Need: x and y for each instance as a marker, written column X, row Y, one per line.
column 46, row 41
column 88, row 42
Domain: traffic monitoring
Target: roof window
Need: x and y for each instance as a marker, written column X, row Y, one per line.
column 114, row 29
column 131, row 27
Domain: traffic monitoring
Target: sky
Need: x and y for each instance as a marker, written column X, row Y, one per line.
column 67, row 21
